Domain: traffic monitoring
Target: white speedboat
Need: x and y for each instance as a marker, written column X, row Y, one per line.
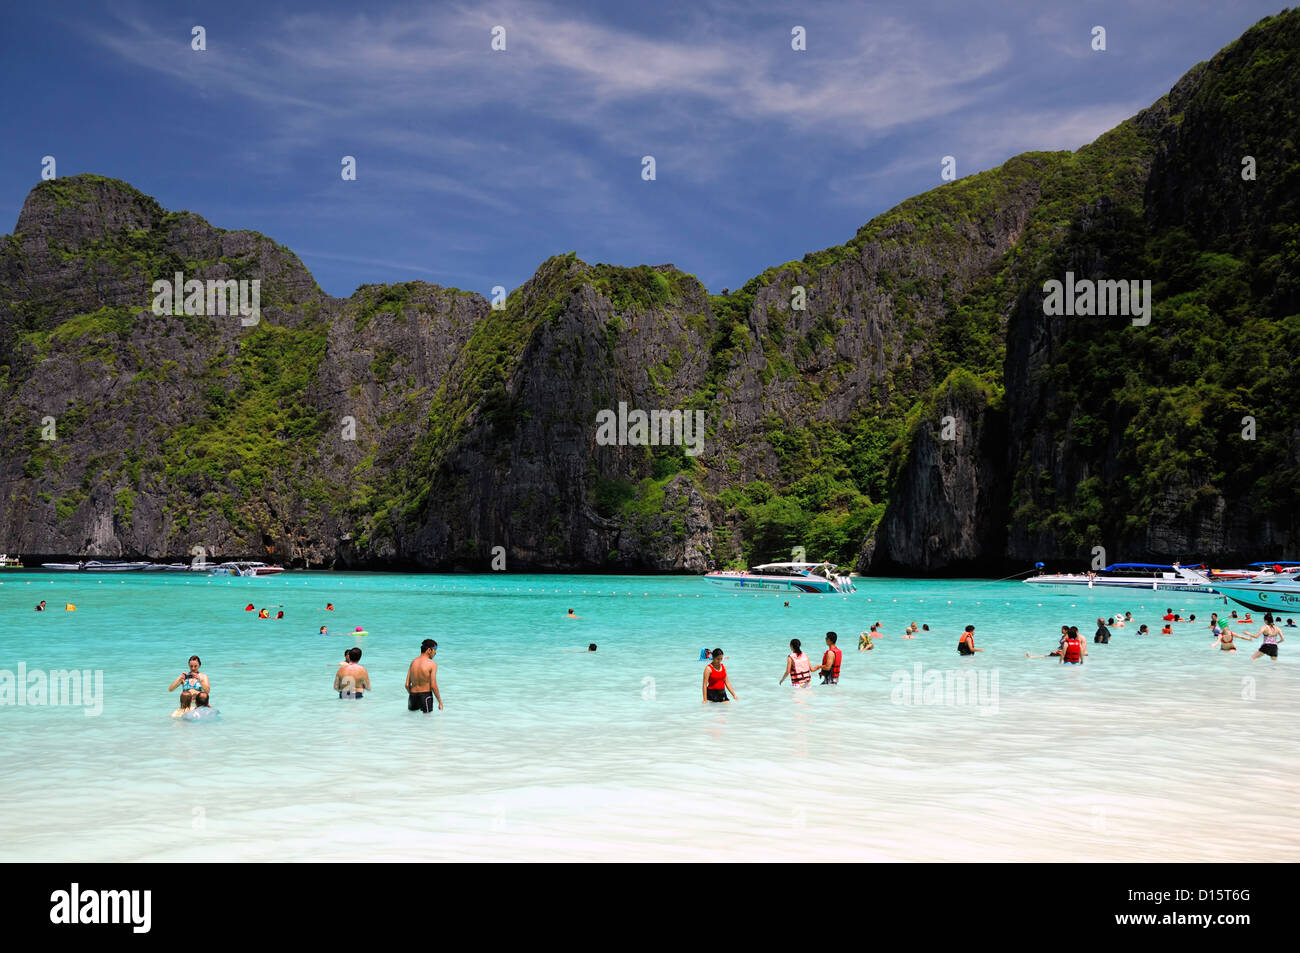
column 784, row 577
column 1266, row 592
column 245, row 568
column 1125, row 576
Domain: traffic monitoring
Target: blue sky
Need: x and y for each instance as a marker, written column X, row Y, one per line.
column 473, row 166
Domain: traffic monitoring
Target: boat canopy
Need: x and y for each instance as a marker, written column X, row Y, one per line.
column 1277, row 562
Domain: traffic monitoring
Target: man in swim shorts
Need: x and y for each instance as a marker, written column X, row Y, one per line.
column 352, row 678
column 422, row 680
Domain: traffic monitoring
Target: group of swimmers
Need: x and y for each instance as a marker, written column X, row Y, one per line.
column 1072, row 648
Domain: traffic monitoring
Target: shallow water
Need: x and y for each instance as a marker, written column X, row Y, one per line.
column 1158, row 748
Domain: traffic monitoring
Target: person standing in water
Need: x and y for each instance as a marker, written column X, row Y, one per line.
column 716, row 684
column 422, row 679
column 352, row 679
column 1073, row 648
column 191, row 684
column 966, row 644
column 829, row 669
column 1272, row 636
column 797, row 667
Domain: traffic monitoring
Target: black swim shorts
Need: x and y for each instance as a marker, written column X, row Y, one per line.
column 717, row 694
column 351, row 695
column 419, row 701
column 1269, row 649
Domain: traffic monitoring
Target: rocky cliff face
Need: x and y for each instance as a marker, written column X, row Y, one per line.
column 413, row 425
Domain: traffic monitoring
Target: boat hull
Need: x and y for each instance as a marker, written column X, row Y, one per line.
column 768, row 584
column 1265, row 599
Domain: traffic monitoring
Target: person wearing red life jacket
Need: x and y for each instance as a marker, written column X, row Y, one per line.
column 1073, row 648
column 966, row 644
column 716, row 684
column 797, row 667
column 829, row 669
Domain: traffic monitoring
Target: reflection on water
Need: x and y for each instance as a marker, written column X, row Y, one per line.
column 1156, row 748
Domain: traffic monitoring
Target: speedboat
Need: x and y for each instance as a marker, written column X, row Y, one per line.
column 784, row 577
column 95, row 565
column 62, row 567
column 1266, row 592
column 1125, row 576
column 245, row 568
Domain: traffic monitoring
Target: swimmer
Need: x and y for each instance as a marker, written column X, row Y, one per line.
column 1290, row 623
column 1103, row 633
column 280, row 614
column 191, row 683
column 966, row 644
column 1118, row 622
column 787, row 605
column 1272, row 638
column 716, row 684
column 352, row 678
column 329, row 607
column 1225, row 639
column 592, row 647
column 40, row 607
column 1073, row 648
column 263, row 614
column 201, row 710
column 422, row 679
column 864, row 642
column 797, row 667
column 926, row 627
column 1143, row 630
column 829, row 669
column 324, row 630
column 248, row 608
column 572, row 616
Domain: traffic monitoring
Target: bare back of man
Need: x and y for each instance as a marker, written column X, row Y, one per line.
column 422, row 681
column 351, row 680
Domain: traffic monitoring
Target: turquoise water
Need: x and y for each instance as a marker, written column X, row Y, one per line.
column 1158, row 748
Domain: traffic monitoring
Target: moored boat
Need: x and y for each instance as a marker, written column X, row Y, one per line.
column 784, row 577
column 1266, row 592
column 1125, row 576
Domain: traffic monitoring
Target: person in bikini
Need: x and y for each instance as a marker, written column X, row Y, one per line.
column 1272, row 636
column 191, row 684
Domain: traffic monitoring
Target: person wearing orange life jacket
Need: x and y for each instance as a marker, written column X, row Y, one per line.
column 966, row 644
column 716, row 684
column 829, row 669
column 797, row 667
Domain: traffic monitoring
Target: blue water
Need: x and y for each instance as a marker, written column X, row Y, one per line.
column 1157, row 748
